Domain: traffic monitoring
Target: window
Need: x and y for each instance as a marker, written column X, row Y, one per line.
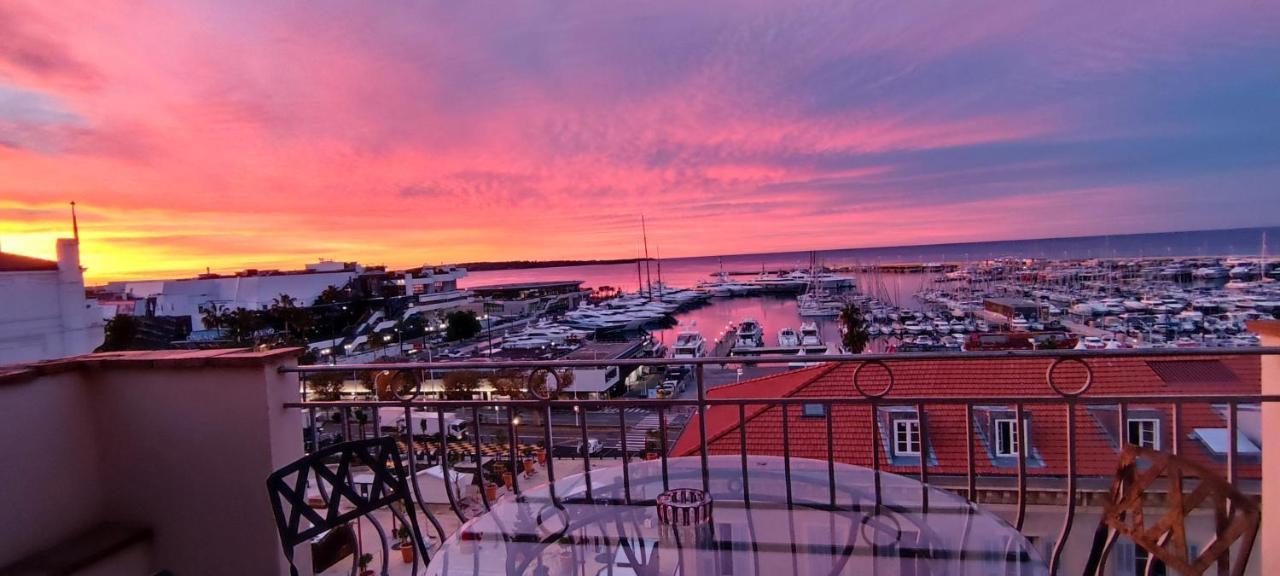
column 906, row 437
column 1006, row 437
column 815, row 410
column 1144, row 433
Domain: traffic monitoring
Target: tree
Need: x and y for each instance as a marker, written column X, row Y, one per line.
column 462, row 324
column 460, row 384
column 289, row 320
column 242, row 324
column 509, row 382
column 855, row 329
column 120, row 333
column 325, row 386
column 213, row 316
column 332, row 295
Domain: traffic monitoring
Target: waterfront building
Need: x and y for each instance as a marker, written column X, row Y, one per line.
column 250, row 289
column 523, row 299
column 44, row 313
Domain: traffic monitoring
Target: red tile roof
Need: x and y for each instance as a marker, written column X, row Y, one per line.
column 19, row 263
column 1096, row 449
column 1193, row 372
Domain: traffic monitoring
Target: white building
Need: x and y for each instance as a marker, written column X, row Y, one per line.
column 251, row 289
column 43, row 310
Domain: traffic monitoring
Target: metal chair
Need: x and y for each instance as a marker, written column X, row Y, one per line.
column 1237, row 515
column 340, row 500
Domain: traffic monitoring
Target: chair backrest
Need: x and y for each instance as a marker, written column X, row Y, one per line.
column 1236, row 514
column 340, row 501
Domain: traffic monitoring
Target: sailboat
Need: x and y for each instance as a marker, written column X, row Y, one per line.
column 816, row 301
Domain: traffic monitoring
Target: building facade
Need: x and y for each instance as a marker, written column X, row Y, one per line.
column 44, row 313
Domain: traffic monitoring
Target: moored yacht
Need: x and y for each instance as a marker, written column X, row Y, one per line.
column 689, row 344
column 809, row 334
column 750, row 335
column 787, row 338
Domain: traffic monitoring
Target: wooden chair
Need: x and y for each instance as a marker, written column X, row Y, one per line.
column 1237, row 515
column 298, row 521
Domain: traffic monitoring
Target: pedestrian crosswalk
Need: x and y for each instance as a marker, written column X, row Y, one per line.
column 632, row 410
column 636, row 437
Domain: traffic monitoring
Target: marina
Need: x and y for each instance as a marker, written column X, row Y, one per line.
column 1092, row 303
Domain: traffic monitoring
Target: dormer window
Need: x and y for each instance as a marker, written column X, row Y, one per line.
column 1143, row 433
column 1006, row 433
column 906, row 437
column 814, row 410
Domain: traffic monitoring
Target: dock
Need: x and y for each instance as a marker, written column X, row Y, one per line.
column 765, row 350
column 724, row 346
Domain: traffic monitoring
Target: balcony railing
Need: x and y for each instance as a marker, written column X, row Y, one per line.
column 1055, row 477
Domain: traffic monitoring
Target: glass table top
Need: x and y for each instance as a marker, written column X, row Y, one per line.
column 879, row 524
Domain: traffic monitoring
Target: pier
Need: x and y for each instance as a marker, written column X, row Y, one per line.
column 769, row 350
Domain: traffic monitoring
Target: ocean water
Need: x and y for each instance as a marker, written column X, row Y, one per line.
column 686, row 272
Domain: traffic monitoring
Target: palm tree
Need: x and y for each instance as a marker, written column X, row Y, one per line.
column 855, row 329
column 243, row 324
column 213, row 316
column 331, row 295
column 289, row 318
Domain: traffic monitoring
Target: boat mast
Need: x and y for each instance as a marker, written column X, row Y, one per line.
column 644, row 233
column 658, row 253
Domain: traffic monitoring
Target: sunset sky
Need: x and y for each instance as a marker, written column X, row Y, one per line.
column 233, row 134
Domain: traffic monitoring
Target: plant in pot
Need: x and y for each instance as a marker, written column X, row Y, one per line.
column 652, row 442
column 542, row 454
column 566, row 550
column 405, row 545
column 491, row 491
column 363, row 563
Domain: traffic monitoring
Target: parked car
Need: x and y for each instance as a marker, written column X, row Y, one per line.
column 593, row 446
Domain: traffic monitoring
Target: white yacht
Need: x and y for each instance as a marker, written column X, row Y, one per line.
column 809, row 335
column 689, row 344
column 787, row 338
column 1210, row 272
column 722, row 286
column 749, row 335
column 772, row 282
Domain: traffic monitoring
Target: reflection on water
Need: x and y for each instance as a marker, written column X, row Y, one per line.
column 772, row 312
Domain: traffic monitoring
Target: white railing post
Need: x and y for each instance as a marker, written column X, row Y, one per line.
column 1269, row 330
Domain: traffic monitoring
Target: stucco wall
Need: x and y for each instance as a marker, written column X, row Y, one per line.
column 48, row 464
column 179, row 442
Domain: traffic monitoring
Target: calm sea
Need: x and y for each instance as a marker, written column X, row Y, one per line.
column 775, row 313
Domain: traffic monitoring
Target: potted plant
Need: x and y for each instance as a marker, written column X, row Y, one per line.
column 491, row 491
column 508, row 480
column 405, row 545
column 363, row 563
column 542, row 455
column 528, row 467
column 566, row 551
column 651, row 443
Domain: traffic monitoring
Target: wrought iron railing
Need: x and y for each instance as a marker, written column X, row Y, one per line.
column 972, row 484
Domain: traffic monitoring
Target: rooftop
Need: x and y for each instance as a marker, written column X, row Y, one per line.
column 10, row 262
column 975, row 379
column 526, row 286
column 605, row 350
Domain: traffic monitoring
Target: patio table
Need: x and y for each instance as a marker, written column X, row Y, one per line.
column 782, row 516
